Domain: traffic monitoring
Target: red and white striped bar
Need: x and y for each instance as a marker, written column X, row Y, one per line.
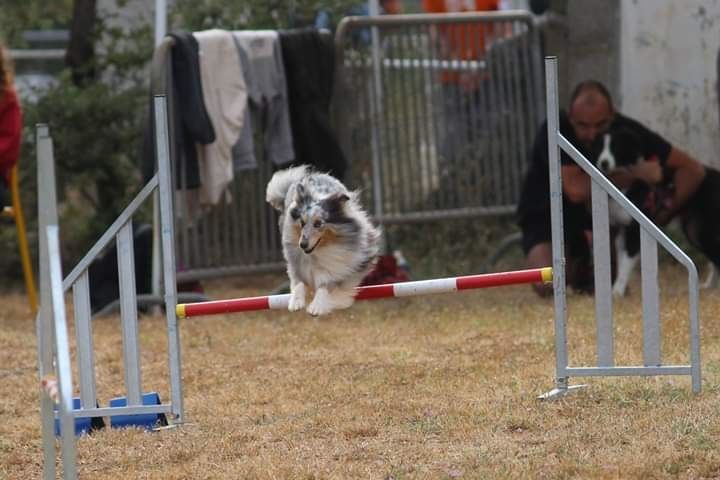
column 402, row 289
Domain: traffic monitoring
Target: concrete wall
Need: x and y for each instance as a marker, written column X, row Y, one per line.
column 668, row 71
column 593, row 46
column 586, row 40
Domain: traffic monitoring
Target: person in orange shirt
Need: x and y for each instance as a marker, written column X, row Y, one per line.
column 463, row 105
column 10, row 125
column 461, row 42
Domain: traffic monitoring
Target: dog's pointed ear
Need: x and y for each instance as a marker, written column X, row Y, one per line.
column 301, row 194
column 340, row 198
column 335, row 202
column 277, row 205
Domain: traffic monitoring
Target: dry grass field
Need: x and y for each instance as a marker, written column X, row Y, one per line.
column 430, row 387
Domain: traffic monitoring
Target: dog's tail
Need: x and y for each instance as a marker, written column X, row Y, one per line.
column 280, row 183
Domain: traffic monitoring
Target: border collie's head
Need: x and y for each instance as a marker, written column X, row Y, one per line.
column 614, row 149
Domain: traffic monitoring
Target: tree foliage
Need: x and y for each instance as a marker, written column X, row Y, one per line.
column 97, row 132
column 16, row 16
column 254, row 14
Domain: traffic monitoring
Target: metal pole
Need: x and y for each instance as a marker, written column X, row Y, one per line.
column 167, row 220
column 47, row 215
column 377, row 112
column 62, row 356
column 160, row 31
column 556, row 221
column 160, row 20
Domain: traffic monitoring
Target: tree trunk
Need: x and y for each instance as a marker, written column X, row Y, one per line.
column 81, row 50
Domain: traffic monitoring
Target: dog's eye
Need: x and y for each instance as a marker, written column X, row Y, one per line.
column 317, row 224
column 294, row 213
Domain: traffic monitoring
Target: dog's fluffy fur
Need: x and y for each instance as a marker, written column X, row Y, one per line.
column 619, row 149
column 328, row 240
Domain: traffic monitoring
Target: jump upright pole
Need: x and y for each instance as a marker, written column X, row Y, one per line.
column 402, row 289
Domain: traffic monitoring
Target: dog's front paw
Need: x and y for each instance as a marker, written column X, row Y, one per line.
column 297, row 298
column 297, row 302
column 319, row 308
column 321, row 304
column 619, row 290
column 713, row 278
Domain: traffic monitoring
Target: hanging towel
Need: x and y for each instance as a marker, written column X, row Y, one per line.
column 190, row 118
column 261, row 60
column 309, row 60
column 225, row 96
column 186, row 76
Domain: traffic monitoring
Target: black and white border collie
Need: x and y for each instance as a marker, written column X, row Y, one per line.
column 613, row 151
column 700, row 218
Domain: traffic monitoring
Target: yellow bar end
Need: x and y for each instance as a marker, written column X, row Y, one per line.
column 547, row 274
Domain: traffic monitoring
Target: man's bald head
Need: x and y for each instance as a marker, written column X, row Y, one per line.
column 591, row 99
column 591, row 111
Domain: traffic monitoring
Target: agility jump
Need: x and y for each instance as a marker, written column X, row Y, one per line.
column 373, row 292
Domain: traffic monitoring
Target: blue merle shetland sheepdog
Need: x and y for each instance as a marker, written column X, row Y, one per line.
column 329, row 243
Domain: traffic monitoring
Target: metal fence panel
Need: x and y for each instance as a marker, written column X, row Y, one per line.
column 432, row 135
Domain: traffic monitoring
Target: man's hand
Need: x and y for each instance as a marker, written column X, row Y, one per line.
column 622, row 178
column 648, row 172
column 663, row 217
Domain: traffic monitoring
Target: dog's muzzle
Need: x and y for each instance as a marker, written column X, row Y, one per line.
column 307, row 250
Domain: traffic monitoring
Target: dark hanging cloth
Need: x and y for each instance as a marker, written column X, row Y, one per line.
column 190, row 117
column 309, row 61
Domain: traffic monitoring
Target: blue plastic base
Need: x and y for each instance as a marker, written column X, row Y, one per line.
column 83, row 425
column 148, row 421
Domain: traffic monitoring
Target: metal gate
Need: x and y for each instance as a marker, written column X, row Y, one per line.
column 437, row 112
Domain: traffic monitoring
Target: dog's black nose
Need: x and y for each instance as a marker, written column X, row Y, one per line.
column 304, row 244
column 604, row 165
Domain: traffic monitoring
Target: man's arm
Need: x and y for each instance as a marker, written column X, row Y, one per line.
column 576, row 183
column 649, row 172
column 688, row 173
